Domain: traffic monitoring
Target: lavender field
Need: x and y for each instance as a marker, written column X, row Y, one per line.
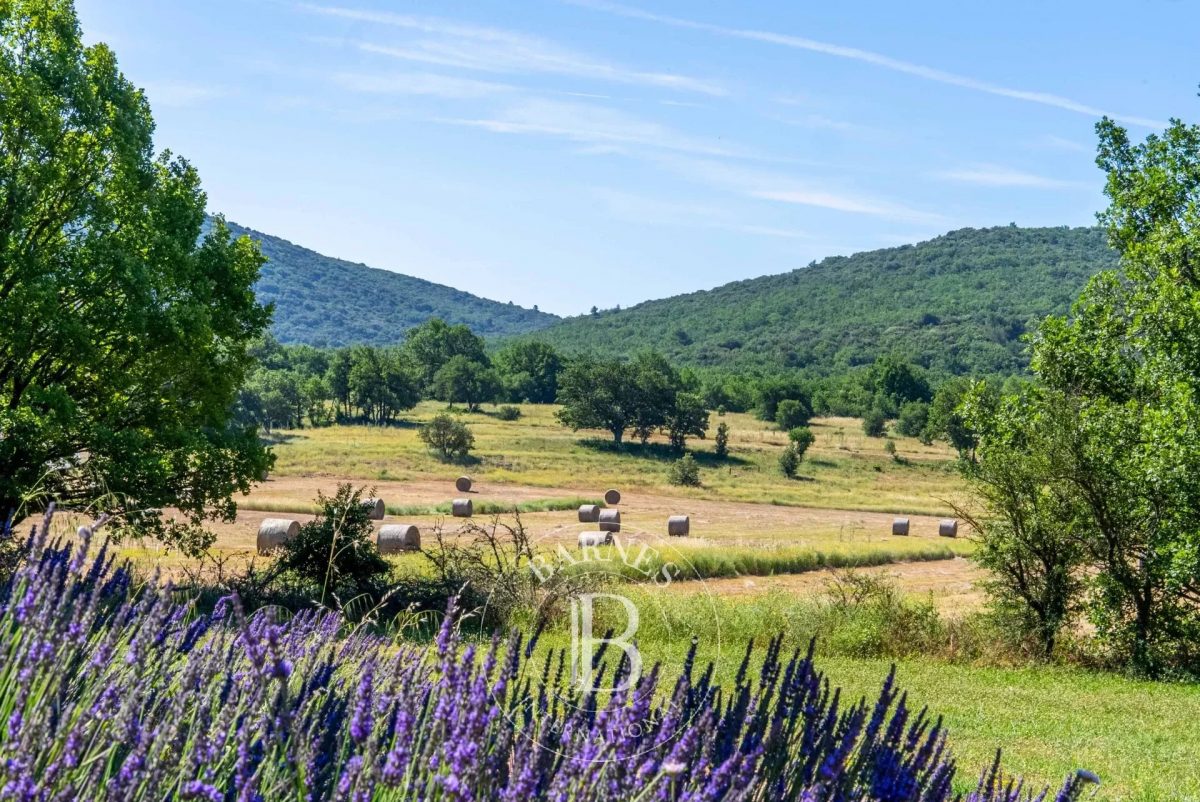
column 114, row 691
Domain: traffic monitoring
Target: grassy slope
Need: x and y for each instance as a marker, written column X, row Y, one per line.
column 843, row 470
column 957, row 303
column 325, row 301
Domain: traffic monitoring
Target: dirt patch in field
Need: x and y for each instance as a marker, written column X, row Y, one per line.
column 642, row 514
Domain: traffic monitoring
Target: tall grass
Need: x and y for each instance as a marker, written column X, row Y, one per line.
column 721, row 562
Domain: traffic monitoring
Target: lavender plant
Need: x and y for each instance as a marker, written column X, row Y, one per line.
column 111, row 691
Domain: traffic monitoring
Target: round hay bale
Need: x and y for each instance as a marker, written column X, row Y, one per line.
column 610, row 520
column 589, row 513
column 463, row 484
column 679, row 525
column 612, row 497
column 900, row 526
column 594, row 539
column 948, row 527
column 462, row 508
column 398, row 537
column 274, row 532
column 375, row 508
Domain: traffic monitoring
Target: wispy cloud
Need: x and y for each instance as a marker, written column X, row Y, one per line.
column 782, row 188
column 451, row 44
column 873, row 58
column 420, row 83
column 1062, row 143
column 183, row 93
column 991, row 175
column 642, row 210
column 591, row 125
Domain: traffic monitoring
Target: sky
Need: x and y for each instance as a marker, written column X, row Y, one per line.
column 578, row 153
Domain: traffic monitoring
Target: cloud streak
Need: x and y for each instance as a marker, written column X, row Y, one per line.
column 780, row 188
column 990, row 175
column 869, row 57
column 450, row 44
column 592, row 125
column 419, row 83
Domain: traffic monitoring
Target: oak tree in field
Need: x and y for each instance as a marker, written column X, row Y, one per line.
column 124, row 331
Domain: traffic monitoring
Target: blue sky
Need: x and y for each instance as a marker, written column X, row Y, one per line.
column 571, row 154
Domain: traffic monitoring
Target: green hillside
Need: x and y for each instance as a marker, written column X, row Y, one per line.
column 324, row 301
column 958, row 303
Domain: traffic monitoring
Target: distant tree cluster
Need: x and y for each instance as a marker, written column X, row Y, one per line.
column 294, row 386
column 640, row 396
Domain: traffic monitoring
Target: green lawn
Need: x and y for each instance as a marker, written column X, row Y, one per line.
column 1141, row 738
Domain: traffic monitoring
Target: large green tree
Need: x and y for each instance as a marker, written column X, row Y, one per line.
column 530, row 371
column 124, row 332
column 435, row 342
column 1122, row 377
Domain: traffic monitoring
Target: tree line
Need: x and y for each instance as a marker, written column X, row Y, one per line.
column 293, row 386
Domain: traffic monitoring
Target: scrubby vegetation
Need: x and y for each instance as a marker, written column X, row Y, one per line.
column 330, row 303
column 957, row 304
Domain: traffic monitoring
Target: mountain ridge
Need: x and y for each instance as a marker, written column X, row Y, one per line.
column 957, row 303
column 319, row 300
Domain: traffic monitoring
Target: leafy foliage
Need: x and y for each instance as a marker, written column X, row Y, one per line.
column 791, row 414
column 801, row 437
column 721, row 441
column 646, row 395
column 1109, row 437
column 330, row 302
column 874, row 423
column 789, row 462
column 448, row 437
column 335, row 552
column 124, row 332
column 957, row 304
column 685, row 471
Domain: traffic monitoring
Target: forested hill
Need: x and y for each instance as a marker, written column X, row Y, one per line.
column 324, row 301
column 958, row 303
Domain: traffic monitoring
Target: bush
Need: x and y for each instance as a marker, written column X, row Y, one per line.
column 874, row 423
column 791, row 413
column 335, row 552
column 448, row 437
column 508, row 412
column 685, row 471
column 722, row 441
column 801, row 437
column 913, row 418
column 789, row 462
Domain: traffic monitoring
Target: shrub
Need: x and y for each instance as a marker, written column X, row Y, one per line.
column 722, row 440
column 890, row 448
column 685, row 471
column 448, row 438
column 789, row 462
column 791, row 413
column 335, row 552
column 508, row 412
column 801, row 437
column 874, row 423
column 913, row 418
